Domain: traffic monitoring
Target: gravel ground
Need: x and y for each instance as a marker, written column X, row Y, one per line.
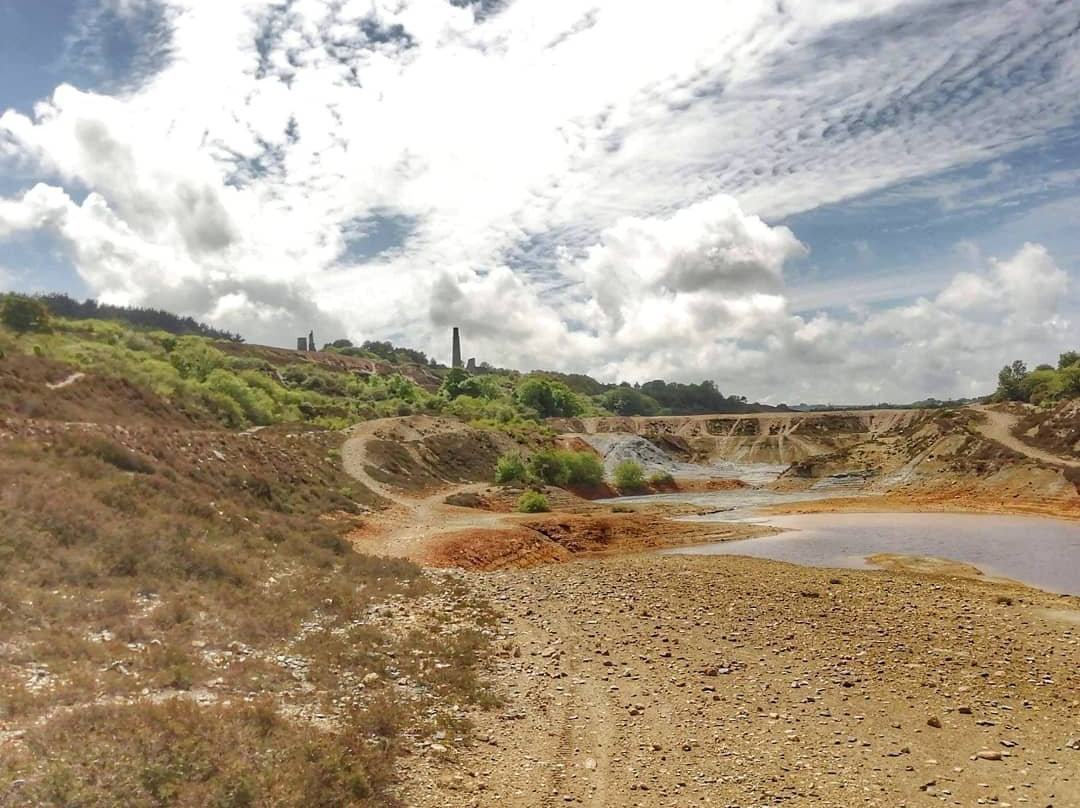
column 661, row 681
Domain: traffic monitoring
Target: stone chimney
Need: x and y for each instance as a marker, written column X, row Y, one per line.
column 301, row 343
column 455, row 361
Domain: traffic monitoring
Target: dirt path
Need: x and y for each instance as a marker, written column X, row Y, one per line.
column 408, row 528
column 998, row 427
column 70, row 380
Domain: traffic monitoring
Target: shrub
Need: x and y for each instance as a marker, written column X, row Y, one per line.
column 510, row 468
column 195, row 358
column 583, row 468
column 550, row 467
column 629, row 476
column 533, row 502
column 661, row 478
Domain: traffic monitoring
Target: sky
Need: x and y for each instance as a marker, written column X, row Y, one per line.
column 845, row 201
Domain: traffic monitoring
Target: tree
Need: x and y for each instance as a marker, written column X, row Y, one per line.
column 453, row 384
column 628, row 401
column 23, row 314
column 549, row 399
column 1068, row 359
column 1010, row 382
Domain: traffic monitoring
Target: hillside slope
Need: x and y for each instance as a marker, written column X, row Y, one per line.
column 182, row 620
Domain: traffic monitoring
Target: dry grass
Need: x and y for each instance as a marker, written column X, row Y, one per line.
column 169, row 595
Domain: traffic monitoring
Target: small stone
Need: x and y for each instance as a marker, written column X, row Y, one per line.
column 988, row 754
column 934, row 721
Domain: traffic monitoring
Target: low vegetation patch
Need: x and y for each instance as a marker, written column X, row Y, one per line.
column 661, row 479
column 550, row 467
column 629, row 476
column 533, row 502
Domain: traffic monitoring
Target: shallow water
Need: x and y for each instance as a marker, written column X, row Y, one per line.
column 733, row 505
column 1041, row 552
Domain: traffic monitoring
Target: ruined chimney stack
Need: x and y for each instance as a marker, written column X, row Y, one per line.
column 456, row 356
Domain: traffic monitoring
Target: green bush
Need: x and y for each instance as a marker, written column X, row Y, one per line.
column 583, row 468
column 511, row 469
column 533, row 502
column 629, row 476
column 661, row 478
column 196, row 358
column 550, row 467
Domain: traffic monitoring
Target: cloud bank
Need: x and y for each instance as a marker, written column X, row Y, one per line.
column 583, row 187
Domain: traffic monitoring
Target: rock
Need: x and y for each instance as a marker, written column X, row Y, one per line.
column 988, row 754
column 965, row 710
column 934, row 721
column 371, row 678
column 1073, row 744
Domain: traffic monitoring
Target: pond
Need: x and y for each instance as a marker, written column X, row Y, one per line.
column 1038, row 551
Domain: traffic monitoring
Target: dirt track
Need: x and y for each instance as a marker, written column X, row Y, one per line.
column 999, row 427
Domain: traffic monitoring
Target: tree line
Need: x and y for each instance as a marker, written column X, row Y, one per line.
column 22, row 309
column 1044, row 385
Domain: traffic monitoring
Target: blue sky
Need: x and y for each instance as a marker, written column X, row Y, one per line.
column 824, row 200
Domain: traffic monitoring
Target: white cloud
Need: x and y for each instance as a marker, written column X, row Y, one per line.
column 612, row 138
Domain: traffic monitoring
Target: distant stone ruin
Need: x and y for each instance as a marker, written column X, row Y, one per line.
column 455, row 361
column 306, row 344
column 471, row 365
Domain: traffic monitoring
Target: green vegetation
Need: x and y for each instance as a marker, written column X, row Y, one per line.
column 208, row 374
column 1045, row 385
column 628, row 401
column 385, row 351
column 550, row 467
column 629, row 476
column 533, row 502
column 511, row 469
column 583, row 468
column 661, row 479
column 23, row 314
column 548, row 399
column 154, row 319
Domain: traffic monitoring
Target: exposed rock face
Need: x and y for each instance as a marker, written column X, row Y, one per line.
column 774, row 438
